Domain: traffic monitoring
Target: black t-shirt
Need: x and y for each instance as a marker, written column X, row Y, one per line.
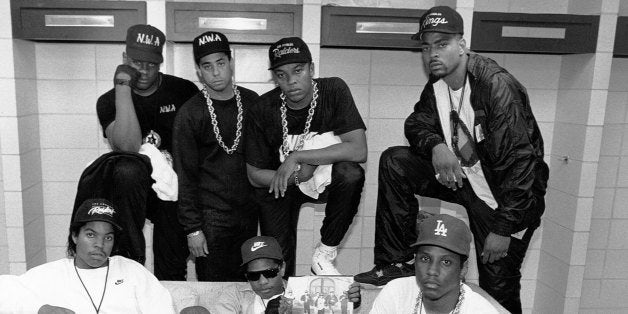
column 335, row 111
column 154, row 112
column 208, row 176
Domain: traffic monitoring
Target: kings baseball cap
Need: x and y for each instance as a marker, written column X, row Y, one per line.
column 145, row 43
column 445, row 231
column 288, row 50
column 208, row 43
column 260, row 247
column 440, row 19
column 96, row 209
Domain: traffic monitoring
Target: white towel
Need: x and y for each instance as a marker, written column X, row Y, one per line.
column 166, row 181
column 321, row 177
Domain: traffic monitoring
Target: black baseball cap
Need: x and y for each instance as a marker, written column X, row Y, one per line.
column 445, row 231
column 208, row 43
column 97, row 209
column 145, row 43
column 440, row 19
column 288, row 50
column 260, row 247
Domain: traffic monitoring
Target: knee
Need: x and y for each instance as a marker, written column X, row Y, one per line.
column 393, row 159
column 348, row 172
column 130, row 170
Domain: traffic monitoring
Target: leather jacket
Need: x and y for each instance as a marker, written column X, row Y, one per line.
column 511, row 152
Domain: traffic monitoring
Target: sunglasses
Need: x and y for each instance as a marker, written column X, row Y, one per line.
column 268, row 274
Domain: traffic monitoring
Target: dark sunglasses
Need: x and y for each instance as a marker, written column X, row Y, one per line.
column 268, row 273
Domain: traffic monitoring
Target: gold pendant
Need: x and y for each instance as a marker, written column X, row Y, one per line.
column 153, row 138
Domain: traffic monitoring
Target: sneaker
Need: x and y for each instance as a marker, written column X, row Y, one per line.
column 381, row 276
column 322, row 260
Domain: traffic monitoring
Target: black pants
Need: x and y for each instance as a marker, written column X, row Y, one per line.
column 124, row 179
column 403, row 174
column 225, row 231
column 279, row 217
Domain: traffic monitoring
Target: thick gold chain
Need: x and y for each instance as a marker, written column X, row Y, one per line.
column 285, row 146
column 212, row 114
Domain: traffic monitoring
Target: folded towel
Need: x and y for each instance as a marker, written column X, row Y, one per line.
column 322, row 175
column 166, row 181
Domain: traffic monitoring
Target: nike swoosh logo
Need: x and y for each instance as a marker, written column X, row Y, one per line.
column 257, row 247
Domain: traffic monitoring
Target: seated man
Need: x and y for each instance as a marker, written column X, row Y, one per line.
column 442, row 249
column 306, row 137
column 262, row 261
column 88, row 280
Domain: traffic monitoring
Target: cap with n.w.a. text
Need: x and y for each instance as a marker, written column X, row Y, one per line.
column 445, row 231
column 96, row 209
column 260, row 247
column 288, row 50
column 145, row 43
column 440, row 19
column 208, row 43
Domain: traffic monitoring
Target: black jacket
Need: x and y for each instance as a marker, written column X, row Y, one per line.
column 512, row 150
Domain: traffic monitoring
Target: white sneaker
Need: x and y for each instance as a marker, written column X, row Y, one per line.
column 322, row 260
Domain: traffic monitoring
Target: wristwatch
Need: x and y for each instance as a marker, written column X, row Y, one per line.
column 122, row 82
column 193, row 234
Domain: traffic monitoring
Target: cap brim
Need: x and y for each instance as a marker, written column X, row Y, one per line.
column 444, row 245
column 142, row 55
column 289, row 62
column 115, row 225
column 227, row 51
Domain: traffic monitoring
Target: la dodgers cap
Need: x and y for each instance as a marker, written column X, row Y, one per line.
column 440, row 19
column 288, row 50
column 145, row 43
column 260, row 247
column 97, row 209
column 445, row 231
column 208, row 43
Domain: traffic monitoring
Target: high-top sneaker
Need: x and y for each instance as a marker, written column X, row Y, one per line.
column 322, row 260
column 381, row 276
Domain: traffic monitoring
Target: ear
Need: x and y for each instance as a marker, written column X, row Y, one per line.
column 312, row 68
column 124, row 57
column 198, row 73
column 74, row 237
column 464, row 269
column 282, row 269
column 463, row 45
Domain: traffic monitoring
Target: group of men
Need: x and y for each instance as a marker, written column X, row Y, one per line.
column 241, row 160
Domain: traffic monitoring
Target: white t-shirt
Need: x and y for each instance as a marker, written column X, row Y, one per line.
column 131, row 288
column 399, row 297
column 474, row 174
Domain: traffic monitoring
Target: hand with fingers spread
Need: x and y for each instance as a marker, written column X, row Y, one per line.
column 197, row 244
column 447, row 168
column 495, row 248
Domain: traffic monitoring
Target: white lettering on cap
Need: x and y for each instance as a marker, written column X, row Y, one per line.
column 257, row 245
column 208, row 39
column 434, row 20
column 101, row 209
column 277, row 52
column 147, row 39
column 440, row 229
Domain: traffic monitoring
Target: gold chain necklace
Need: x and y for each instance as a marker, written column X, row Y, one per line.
column 212, row 114
column 418, row 306
column 285, row 146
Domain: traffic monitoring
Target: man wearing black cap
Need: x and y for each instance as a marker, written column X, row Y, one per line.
column 473, row 141
column 442, row 251
column 141, row 109
column 90, row 279
column 215, row 203
column 306, row 138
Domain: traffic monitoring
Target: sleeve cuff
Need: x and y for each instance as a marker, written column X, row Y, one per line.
column 502, row 227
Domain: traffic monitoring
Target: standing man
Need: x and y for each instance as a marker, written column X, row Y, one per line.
column 140, row 109
column 473, row 141
column 215, row 201
column 305, row 112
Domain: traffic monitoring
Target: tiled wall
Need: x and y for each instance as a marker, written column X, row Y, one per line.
column 605, row 284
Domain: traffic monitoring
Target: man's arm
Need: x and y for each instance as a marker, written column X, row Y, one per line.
column 186, row 164
column 124, row 133
column 353, row 148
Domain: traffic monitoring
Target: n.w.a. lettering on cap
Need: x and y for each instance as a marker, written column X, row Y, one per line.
column 208, row 38
column 148, row 39
column 434, row 19
column 101, row 209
